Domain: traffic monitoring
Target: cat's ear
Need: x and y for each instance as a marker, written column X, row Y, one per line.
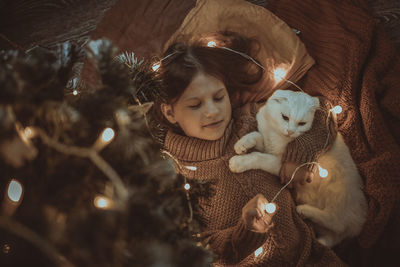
column 279, row 96
column 315, row 103
column 280, row 99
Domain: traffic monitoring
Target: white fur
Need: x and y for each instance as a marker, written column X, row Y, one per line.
column 336, row 204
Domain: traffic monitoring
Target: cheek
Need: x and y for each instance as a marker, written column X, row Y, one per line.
column 226, row 106
column 189, row 119
column 281, row 124
column 297, row 133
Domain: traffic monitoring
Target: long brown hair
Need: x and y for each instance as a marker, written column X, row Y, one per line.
column 186, row 59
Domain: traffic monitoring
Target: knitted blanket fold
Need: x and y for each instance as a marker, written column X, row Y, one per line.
column 358, row 68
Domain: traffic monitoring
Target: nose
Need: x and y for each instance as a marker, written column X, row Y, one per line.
column 210, row 109
column 289, row 132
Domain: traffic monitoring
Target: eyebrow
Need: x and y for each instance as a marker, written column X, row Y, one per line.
column 195, row 98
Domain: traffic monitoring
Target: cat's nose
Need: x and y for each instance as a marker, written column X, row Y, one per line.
column 289, row 132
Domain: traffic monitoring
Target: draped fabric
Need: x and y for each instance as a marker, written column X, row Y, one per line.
column 357, row 67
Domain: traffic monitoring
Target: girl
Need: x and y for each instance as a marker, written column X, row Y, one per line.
column 204, row 117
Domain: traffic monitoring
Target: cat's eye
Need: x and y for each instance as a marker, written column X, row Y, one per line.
column 302, row 123
column 285, row 117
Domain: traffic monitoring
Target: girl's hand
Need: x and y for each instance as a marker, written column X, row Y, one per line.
column 302, row 175
column 255, row 217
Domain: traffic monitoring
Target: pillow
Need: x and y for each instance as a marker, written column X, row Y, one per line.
column 281, row 52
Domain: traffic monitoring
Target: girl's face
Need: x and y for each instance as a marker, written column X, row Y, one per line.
column 204, row 109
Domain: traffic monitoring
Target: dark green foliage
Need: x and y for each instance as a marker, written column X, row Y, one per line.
column 151, row 227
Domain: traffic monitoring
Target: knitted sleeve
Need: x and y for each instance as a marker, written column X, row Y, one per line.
column 309, row 146
column 235, row 243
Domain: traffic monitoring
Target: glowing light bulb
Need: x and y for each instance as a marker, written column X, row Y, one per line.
column 192, row 168
column 337, row 109
column 104, row 139
column 270, row 208
column 187, row 186
column 323, row 173
column 14, row 191
column 156, row 66
column 75, row 92
column 6, row 248
column 258, row 252
column 28, row 132
column 279, row 74
column 107, row 135
column 211, row 44
column 102, row 202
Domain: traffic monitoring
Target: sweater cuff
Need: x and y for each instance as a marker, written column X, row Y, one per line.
column 295, row 154
column 245, row 241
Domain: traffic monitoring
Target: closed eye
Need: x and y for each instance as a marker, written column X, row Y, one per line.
column 285, row 117
column 301, row 123
column 218, row 99
column 195, row 106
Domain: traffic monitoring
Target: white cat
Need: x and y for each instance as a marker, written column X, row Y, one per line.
column 335, row 204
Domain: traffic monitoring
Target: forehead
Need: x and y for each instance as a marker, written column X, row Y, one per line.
column 298, row 108
column 202, row 85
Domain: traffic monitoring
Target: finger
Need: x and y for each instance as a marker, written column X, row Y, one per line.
column 310, row 177
column 290, row 185
column 259, row 214
column 282, row 175
column 253, row 213
column 261, row 208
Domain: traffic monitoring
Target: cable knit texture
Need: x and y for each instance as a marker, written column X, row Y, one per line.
column 358, row 68
column 289, row 242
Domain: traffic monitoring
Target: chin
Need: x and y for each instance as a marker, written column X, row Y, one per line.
column 214, row 137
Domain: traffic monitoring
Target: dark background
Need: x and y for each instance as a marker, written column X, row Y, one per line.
column 26, row 23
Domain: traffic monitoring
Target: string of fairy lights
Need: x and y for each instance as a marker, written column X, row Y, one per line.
column 279, row 74
column 14, row 189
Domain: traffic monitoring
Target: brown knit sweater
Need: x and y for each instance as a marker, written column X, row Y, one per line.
column 290, row 242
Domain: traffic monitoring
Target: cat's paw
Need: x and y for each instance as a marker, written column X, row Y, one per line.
column 244, row 144
column 302, row 210
column 323, row 241
column 237, row 164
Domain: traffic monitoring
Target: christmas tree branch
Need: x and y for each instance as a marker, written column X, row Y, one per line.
column 111, row 174
column 24, row 232
column 92, row 154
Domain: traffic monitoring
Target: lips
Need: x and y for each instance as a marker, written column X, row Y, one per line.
column 213, row 124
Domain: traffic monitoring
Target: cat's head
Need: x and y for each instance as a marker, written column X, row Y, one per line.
column 291, row 113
